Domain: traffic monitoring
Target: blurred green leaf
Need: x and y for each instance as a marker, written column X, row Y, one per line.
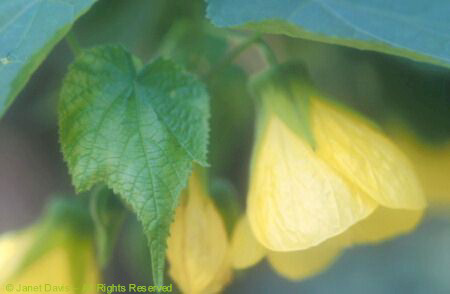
column 29, row 29
column 108, row 214
column 65, row 222
column 411, row 28
column 232, row 116
column 225, row 197
column 138, row 131
column 198, row 46
column 418, row 96
column 136, row 261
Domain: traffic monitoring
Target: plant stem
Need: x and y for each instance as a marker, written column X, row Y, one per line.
column 267, row 52
column 73, row 43
column 256, row 39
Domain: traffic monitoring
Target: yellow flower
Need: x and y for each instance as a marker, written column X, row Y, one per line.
column 307, row 189
column 69, row 265
column 246, row 251
column 431, row 162
column 198, row 249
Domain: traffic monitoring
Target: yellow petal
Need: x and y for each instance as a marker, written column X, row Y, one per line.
column 302, row 264
column 54, row 267
column 383, row 224
column 246, row 251
column 222, row 278
column 198, row 246
column 13, row 246
column 295, row 200
column 432, row 164
column 365, row 157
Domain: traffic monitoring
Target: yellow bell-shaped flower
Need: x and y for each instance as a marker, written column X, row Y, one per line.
column 318, row 169
column 63, row 267
column 246, row 251
column 198, row 249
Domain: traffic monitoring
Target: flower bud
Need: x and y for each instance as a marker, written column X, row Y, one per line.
column 198, row 250
column 318, row 168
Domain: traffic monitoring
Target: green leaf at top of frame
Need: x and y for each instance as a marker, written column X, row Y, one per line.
column 29, row 29
column 136, row 130
column 416, row 29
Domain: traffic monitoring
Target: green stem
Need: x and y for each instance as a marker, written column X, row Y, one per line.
column 268, row 53
column 73, row 43
column 256, row 39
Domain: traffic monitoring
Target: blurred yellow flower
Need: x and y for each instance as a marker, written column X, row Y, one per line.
column 431, row 162
column 64, row 264
column 297, row 265
column 302, row 193
column 198, row 249
column 246, row 251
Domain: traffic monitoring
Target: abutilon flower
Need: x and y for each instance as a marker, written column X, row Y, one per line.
column 198, row 249
column 71, row 264
column 246, row 251
column 319, row 170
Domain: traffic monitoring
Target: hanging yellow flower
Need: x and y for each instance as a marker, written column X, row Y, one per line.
column 318, row 169
column 65, row 265
column 246, row 251
column 198, row 249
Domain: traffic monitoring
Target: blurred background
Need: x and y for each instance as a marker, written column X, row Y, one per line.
column 395, row 92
